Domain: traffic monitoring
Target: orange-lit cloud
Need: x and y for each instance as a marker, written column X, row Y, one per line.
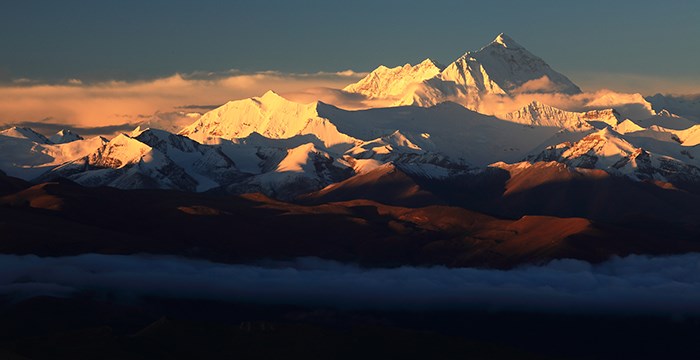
column 632, row 105
column 118, row 102
column 543, row 84
column 172, row 102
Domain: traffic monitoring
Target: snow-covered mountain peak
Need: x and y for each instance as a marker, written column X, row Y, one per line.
column 539, row 114
column 640, row 155
column 283, row 148
column 385, row 82
column 505, row 41
column 516, row 70
column 65, row 136
column 608, row 117
column 502, row 68
column 430, row 64
column 535, row 105
column 122, row 150
column 628, row 126
column 269, row 100
column 141, row 132
column 666, row 119
column 271, row 116
column 25, row 133
column 273, row 100
column 300, row 159
column 272, row 96
column 603, row 149
column 137, row 131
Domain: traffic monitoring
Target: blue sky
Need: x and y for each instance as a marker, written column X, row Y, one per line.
column 126, row 39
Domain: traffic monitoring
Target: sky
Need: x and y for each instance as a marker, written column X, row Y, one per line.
column 129, row 39
column 636, row 46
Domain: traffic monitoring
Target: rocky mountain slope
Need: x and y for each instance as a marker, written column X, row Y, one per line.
column 63, row 218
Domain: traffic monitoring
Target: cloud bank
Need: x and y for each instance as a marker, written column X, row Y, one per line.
column 173, row 102
column 635, row 284
column 629, row 105
column 75, row 104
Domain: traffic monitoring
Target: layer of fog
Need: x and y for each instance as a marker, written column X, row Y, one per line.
column 635, row 284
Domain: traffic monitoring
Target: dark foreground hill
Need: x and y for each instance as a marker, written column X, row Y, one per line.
column 62, row 218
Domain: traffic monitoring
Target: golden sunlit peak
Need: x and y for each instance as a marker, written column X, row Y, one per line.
column 505, row 41
column 431, row 63
column 270, row 94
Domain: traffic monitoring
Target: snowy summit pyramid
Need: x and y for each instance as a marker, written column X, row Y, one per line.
column 501, row 68
column 510, row 68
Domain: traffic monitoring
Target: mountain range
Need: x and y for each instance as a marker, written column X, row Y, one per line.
column 501, row 68
column 438, row 141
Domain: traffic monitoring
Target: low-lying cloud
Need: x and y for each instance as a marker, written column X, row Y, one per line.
column 79, row 105
column 630, row 105
column 171, row 102
column 635, row 284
